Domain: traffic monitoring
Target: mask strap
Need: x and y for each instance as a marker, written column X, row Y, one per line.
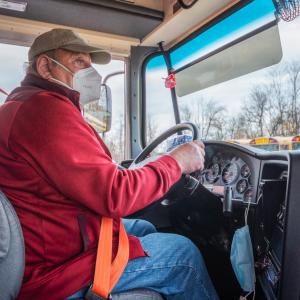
column 65, row 68
column 248, row 207
column 60, row 82
column 247, row 211
column 61, row 65
column 246, row 296
column 246, row 223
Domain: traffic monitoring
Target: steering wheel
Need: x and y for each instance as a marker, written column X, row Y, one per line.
column 187, row 184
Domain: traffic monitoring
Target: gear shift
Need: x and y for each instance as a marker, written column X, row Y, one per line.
column 227, row 202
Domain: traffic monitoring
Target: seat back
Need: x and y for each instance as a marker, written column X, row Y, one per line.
column 12, row 254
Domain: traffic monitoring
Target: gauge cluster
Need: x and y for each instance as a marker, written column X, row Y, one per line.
column 224, row 168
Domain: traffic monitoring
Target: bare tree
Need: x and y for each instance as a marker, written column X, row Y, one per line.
column 277, row 102
column 185, row 113
column 237, row 128
column 256, row 108
column 293, row 92
column 208, row 115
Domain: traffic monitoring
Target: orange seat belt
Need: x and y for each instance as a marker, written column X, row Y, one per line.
column 107, row 273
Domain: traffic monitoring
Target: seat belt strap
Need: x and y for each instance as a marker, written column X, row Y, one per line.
column 107, row 273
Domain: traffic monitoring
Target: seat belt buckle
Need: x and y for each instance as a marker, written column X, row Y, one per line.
column 90, row 295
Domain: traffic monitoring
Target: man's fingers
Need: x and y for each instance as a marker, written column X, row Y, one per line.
column 203, row 152
column 200, row 146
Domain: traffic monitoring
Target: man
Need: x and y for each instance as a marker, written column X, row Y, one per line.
column 61, row 179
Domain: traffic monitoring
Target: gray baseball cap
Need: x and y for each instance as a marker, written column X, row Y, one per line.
column 69, row 40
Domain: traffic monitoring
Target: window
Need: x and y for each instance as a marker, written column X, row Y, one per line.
column 115, row 138
column 12, row 72
column 261, row 103
column 12, row 60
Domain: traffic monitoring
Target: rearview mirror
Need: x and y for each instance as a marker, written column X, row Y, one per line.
column 98, row 113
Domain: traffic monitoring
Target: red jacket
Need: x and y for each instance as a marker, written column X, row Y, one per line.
column 61, row 179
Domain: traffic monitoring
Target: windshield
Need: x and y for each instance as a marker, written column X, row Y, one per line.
column 262, row 103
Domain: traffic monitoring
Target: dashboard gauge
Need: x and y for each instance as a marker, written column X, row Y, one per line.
column 248, row 195
column 242, row 186
column 223, row 162
column 230, row 173
column 212, row 173
column 215, row 160
column 245, row 171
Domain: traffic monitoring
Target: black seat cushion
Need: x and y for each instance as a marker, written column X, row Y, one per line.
column 138, row 295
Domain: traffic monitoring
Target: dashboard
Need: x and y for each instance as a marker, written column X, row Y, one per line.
column 269, row 181
column 226, row 166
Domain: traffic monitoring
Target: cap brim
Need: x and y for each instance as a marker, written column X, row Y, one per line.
column 98, row 56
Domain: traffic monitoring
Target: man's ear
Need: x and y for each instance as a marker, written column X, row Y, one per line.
column 43, row 67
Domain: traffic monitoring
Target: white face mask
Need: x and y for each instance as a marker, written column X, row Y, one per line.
column 86, row 81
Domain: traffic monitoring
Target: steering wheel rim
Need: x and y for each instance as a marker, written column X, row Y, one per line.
column 162, row 137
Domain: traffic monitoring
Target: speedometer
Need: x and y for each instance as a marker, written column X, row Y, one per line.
column 230, row 173
column 212, row 173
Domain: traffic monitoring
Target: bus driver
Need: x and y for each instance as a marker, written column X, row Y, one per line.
column 60, row 177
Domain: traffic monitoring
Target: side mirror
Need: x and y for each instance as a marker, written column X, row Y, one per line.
column 98, row 113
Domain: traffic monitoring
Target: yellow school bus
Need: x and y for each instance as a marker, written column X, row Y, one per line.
column 296, row 142
column 277, row 143
column 289, row 142
column 239, row 141
column 265, row 143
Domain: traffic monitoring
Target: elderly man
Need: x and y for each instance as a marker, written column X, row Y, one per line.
column 60, row 177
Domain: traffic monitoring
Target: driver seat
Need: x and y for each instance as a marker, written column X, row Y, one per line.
column 12, row 258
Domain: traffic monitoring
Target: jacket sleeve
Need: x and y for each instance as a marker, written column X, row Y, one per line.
column 52, row 136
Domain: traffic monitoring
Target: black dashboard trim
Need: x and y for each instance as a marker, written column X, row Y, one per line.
column 254, row 152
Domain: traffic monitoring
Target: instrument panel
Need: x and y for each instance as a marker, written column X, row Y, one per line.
column 229, row 167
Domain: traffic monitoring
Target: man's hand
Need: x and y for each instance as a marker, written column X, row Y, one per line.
column 190, row 156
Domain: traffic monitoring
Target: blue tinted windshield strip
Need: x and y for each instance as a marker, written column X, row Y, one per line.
column 245, row 20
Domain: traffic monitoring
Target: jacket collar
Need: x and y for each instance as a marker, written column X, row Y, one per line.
column 35, row 81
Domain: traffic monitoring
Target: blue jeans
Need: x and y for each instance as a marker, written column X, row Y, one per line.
column 174, row 268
